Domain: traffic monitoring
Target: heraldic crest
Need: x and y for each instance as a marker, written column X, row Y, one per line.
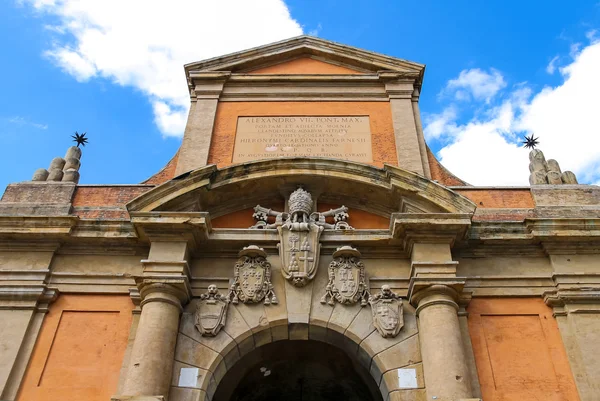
column 299, row 233
column 386, row 308
column 252, row 278
column 347, row 280
column 211, row 312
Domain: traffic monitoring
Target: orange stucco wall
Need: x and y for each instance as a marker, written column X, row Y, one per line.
column 305, row 65
column 380, row 117
column 519, row 351
column 358, row 218
column 80, row 349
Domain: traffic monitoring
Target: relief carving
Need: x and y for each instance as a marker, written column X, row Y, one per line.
column 386, row 308
column 347, row 280
column 299, row 233
column 211, row 312
column 252, row 278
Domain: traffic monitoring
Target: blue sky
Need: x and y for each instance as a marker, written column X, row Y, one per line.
column 495, row 70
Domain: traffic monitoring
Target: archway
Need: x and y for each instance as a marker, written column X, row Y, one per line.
column 290, row 370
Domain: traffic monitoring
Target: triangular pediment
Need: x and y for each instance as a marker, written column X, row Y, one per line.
column 306, row 65
column 302, row 47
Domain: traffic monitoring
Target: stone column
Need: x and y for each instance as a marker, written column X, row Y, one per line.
column 151, row 361
column 444, row 363
column 164, row 289
column 434, row 291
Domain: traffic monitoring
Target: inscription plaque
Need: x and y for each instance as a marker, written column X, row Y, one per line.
column 339, row 137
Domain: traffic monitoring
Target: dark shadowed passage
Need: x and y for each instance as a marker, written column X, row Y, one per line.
column 297, row 371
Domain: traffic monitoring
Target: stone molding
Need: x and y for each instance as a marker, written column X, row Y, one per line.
column 186, row 191
column 575, row 300
column 306, row 46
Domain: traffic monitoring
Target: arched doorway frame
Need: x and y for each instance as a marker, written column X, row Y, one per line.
column 248, row 327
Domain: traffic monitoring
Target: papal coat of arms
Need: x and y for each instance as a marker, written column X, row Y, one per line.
column 211, row 312
column 299, row 233
column 347, row 281
column 252, row 277
column 386, row 308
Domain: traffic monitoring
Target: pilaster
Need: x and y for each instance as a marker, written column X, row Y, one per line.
column 205, row 89
column 24, row 300
column 405, row 126
column 577, row 312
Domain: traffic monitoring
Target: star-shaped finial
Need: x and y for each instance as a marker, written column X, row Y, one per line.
column 79, row 138
column 530, row 141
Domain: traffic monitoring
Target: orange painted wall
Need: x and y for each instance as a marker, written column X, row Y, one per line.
column 358, row 218
column 382, row 129
column 79, row 351
column 519, row 351
column 304, row 65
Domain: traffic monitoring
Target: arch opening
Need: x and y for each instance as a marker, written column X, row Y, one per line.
column 306, row 370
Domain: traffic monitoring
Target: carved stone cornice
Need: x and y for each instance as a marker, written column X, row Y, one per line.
column 36, row 227
column 27, row 297
column 447, row 228
column 576, row 300
column 306, row 46
column 193, row 227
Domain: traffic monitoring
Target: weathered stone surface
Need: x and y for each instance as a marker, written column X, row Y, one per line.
column 193, row 353
column 41, row 174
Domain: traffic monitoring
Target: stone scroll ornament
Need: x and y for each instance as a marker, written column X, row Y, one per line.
column 299, row 233
column 252, row 278
column 347, row 280
column 211, row 312
column 386, row 308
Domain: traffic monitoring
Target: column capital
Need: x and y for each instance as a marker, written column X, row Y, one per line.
column 176, row 291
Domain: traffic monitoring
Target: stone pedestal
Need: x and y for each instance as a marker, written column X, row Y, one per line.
column 444, row 363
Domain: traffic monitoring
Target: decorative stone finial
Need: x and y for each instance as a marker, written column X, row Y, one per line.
column 61, row 170
column 544, row 172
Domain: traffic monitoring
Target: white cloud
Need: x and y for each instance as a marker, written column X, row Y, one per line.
column 551, row 67
column 145, row 43
column 475, row 84
column 444, row 123
column 487, row 151
column 18, row 120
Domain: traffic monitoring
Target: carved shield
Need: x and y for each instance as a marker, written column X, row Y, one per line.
column 210, row 315
column 388, row 317
column 252, row 282
column 347, row 283
column 299, row 249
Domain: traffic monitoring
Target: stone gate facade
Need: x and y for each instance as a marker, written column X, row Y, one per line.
column 304, row 220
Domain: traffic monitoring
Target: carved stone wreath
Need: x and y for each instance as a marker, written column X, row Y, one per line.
column 252, row 278
column 347, row 280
